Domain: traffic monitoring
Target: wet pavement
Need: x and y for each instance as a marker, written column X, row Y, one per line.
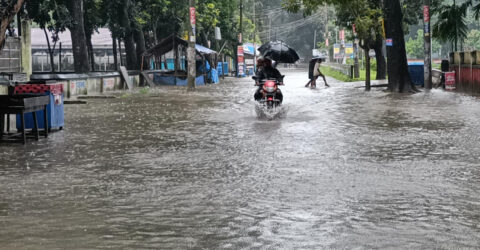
column 342, row 168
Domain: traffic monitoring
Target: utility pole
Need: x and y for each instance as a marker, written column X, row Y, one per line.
column 356, row 68
column 254, row 38
column 427, row 66
column 315, row 39
column 192, row 70
column 240, row 40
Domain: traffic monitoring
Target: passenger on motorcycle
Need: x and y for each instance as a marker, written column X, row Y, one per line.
column 266, row 71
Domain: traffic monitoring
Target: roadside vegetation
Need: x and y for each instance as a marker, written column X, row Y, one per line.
column 344, row 78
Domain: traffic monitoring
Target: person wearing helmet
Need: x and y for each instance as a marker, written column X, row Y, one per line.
column 266, row 71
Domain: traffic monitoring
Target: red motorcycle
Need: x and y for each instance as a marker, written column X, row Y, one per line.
column 269, row 94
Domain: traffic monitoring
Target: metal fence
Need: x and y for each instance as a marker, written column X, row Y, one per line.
column 11, row 55
column 342, row 68
column 63, row 61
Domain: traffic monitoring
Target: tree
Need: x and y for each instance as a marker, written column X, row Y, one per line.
column 397, row 68
column 472, row 41
column 207, row 20
column 369, row 28
column 52, row 17
column 398, row 76
column 415, row 47
column 8, row 10
column 92, row 21
column 451, row 25
column 77, row 31
column 367, row 17
column 57, row 16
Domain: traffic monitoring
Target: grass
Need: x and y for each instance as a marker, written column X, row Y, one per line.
column 144, row 90
column 344, row 78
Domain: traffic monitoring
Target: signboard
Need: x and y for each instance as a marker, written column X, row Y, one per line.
column 108, row 84
column 342, row 35
column 240, row 60
column 349, row 49
column 240, row 51
column 80, row 84
column 450, row 81
column 336, row 51
column 336, row 48
column 389, row 42
column 240, row 69
column 218, row 33
column 354, row 29
column 426, row 14
column 193, row 20
column 426, row 30
column 327, row 43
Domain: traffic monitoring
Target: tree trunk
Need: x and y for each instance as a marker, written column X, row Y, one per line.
column 141, row 48
column 50, row 51
column 130, row 50
column 115, row 53
column 398, row 77
column 90, row 51
column 381, row 63
column 79, row 41
column 8, row 14
column 367, row 70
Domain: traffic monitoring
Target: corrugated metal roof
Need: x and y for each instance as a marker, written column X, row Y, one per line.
column 102, row 38
column 204, row 50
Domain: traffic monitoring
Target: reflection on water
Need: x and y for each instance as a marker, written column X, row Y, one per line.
column 343, row 168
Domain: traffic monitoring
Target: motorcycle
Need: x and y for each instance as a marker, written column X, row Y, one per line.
column 271, row 96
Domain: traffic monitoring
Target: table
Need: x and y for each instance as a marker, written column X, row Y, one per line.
column 23, row 104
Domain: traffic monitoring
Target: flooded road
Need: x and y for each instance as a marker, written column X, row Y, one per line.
column 344, row 168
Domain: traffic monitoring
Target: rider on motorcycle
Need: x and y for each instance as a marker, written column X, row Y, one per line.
column 266, row 71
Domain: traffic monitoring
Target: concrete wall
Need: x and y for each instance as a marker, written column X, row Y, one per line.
column 95, row 86
column 88, row 84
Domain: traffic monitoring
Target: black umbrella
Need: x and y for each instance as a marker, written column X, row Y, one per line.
column 279, row 52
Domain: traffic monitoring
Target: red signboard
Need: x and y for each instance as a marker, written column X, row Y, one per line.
column 193, row 19
column 450, row 81
column 426, row 14
column 354, row 29
column 240, row 51
column 327, row 43
column 342, row 34
column 240, row 60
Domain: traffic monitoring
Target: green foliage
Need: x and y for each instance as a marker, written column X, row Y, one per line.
column 472, row 41
column 50, row 14
column 451, row 25
column 415, row 47
column 344, row 78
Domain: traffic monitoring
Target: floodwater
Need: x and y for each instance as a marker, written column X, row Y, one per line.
column 342, row 168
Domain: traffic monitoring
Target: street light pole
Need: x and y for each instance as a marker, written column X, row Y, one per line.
column 427, row 68
column 192, row 70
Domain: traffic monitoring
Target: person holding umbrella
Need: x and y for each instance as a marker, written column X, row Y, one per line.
column 314, row 72
column 267, row 71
